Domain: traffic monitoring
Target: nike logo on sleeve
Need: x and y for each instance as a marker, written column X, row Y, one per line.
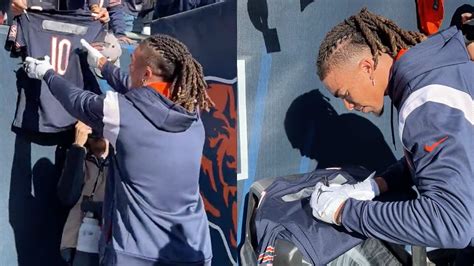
column 430, row 148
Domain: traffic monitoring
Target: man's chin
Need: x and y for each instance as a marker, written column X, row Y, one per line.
column 378, row 113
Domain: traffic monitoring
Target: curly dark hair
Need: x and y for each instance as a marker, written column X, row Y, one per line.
column 364, row 30
column 172, row 59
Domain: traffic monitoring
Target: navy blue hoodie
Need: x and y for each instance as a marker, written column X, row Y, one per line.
column 432, row 86
column 153, row 212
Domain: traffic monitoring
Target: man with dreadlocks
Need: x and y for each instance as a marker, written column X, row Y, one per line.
column 430, row 82
column 153, row 212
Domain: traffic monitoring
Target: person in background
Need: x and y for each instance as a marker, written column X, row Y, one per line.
column 99, row 13
column 82, row 187
column 131, row 10
column 117, row 22
column 3, row 11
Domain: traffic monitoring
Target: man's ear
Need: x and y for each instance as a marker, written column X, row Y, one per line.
column 367, row 65
column 148, row 72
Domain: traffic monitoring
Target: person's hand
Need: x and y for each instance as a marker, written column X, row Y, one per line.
column 95, row 8
column 467, row 28
column 466, row 18
column 36, row 68
column 93, row 55
column 102, row 15
column 125, row 40
column 18, row 6
column 82, row 133
column 366, row 190
column 327, row 201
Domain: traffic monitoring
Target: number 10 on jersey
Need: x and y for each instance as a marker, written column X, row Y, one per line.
column 60, row 49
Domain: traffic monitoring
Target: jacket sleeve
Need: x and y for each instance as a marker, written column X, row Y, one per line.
column 118, row 80
column 439, row 139
column 101, row 112
column 117, row 20
column 72, row 177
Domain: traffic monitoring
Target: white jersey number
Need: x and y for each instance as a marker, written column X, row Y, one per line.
column 60, row 50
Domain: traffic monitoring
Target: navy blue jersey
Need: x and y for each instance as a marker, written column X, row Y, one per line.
column 284, row 213
column 56, row 34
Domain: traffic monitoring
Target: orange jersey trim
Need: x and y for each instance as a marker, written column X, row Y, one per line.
column 401, row 52
column 161, row 87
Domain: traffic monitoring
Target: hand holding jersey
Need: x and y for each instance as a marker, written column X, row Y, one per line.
column 18, row 6
column 99, row 53
column 101, row 14
column 327, row 201
column 36, row 68
column 93, row 55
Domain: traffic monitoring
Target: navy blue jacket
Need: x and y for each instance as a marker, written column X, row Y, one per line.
column 117, row 20
column 153, row 211
column 432, row 86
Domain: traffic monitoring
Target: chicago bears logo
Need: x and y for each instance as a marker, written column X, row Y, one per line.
column 219, row 162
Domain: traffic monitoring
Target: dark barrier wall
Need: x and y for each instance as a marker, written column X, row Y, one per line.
column 292, row 123
column 211, row 35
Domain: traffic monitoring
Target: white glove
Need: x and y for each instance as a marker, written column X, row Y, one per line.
column 325, row 201
column 365, row 190
column 93, row 55
column 36, row 68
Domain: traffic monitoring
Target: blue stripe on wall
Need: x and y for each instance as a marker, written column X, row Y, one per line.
column 256, row 130
column 305, row 163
